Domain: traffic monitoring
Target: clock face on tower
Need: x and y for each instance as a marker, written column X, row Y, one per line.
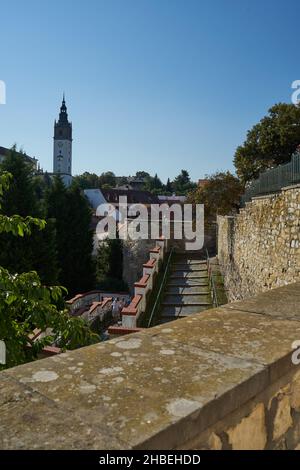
column 62, row 145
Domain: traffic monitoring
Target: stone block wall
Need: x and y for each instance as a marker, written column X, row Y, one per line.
column 259, row 249
column 143, row 287
column 269, row 421
column 135, row 255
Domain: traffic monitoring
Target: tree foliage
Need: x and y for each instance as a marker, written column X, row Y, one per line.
column 220, row 195
column 107, row 179
column 87, row 181
column 269, row 143
column 35, row 252
column 109, row 265
column 26, row 304
column 153, row 184
column 182, row 184
column 72, row 215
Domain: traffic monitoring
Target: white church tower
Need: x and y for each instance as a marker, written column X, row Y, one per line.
column 62, row 153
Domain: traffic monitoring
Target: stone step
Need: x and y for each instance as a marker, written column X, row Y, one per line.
column 173, row 312
column 180, row 303
column 189, row 269
column 179, row 297
column 187, row 283
column 194, row 255
column 188, row 275
column 190, row 263
column 171, row 290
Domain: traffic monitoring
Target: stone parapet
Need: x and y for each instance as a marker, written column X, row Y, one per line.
column 221, row 379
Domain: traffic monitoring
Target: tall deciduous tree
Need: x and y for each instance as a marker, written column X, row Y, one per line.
column 220, row 195
column 87, row 180
column 269, row 143
column 107, row 180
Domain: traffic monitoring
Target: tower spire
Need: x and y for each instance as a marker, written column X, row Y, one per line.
column 62, row 153
column 63, row 115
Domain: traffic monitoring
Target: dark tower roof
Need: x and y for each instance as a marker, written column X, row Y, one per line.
column 63, row 115
column 62, row 127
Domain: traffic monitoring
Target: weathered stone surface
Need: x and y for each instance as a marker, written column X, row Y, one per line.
column 29, row 420
column 283, row 419
column 136, row 387
column 293, row 435
column 214, row 442
column 157, row 389
column 250, row 433
column 232, row 332
column 282, row 303
column 135, row 253
column 295, row 393
column 260, row 248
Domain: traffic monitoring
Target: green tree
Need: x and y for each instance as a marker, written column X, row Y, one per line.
column 169, row 186
column 25, row 304
column 108, row 180
column 153, row 184
column 72, row 216
column 20, row 198
column 183, row 184
column 220, row 195
column 109, row 265
column 37, row 252
column 87, row 181
column 122, row 181
column 269, row 143
column 142, row 174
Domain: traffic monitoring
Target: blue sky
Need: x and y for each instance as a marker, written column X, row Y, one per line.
column 155, row 85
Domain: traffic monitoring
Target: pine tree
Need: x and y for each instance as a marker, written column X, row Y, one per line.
column 169, row 187
column 72, row 217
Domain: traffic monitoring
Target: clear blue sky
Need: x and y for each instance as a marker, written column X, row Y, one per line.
column 156, row 85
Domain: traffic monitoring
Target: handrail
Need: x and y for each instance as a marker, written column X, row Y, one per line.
column 162, row 286
column 211, row 281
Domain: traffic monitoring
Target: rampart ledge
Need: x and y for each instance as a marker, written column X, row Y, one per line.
column 220, row 379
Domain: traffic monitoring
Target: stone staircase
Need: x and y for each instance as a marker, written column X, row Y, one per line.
column 187, row 290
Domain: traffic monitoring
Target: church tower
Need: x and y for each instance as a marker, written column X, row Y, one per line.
column 62, row 153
